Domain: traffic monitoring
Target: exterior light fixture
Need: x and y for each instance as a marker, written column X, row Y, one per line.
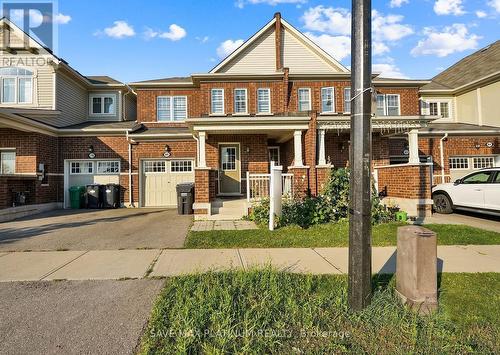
column 91, row 154
column 166, row 151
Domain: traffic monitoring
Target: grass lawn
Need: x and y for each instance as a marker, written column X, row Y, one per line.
column 265, row 311
column 331, row 235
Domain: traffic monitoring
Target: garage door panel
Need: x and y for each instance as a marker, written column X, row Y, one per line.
column 159, row 188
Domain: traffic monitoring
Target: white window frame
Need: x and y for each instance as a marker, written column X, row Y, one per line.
column 268, row 101
column 1, row 160
column 482, row 159
column 347, row 100
column 227, row 161
column 386, row 106
column 212, row 112
column 171, row 110
column 17, row 79
column 90, row 164
column 246, row 101
column 107, row 161
column 103, row 97
column 190, row 165
column 155, row 163
column 427, row 109
column 309, row 99
column 333, row 99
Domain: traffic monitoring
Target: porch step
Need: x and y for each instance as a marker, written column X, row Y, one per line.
column 228, row 209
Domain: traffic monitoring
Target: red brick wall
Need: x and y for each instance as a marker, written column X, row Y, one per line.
column 410, row 105
column 26, row 146
column 408, row 181
column 457, row 146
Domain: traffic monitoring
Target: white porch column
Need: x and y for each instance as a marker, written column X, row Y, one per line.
column 321, row 147
column 297, row 145
column 202, row 163
column 413, row 147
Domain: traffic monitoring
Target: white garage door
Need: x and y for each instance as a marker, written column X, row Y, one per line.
column 160, row 178
column 86, row 172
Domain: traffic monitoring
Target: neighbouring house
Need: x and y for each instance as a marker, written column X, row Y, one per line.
column 278, row 97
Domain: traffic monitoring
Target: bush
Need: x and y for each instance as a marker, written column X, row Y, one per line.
column 331, row 205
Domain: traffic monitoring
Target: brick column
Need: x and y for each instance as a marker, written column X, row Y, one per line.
column 310, row 145
column 202, row 193
column 322, row 175
column 300, row 181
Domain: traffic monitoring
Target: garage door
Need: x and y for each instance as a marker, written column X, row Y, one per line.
column 160, row 178
column 85, row 172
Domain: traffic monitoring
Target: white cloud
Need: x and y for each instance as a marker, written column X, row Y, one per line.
column 398, row 3
column 203, row 39
column 454, row 38
column 175, row 33
column 61, row 19
column 495, row 4
column 387, row 30
column 227, row 47
column 35, row 17
column 449, row 7
column 241, row 3
column 339, row 47
column 388, row 70
column 120, row 29
column 327, row 19
column 481, row 14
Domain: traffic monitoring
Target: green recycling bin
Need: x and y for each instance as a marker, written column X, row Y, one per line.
column 76, row 196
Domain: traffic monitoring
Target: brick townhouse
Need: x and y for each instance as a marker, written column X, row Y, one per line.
column 278, row 97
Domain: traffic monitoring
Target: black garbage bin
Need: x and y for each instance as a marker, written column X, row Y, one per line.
column 110, row 196
column 185, row 198
column 94, row 196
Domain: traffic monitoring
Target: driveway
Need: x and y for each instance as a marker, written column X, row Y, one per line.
column 482, row 221
column 75, row 317
column 96, row 230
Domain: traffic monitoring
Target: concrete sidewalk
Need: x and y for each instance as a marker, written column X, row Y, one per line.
column 122, row 264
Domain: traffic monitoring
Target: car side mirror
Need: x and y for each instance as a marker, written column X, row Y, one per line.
column 458, row 182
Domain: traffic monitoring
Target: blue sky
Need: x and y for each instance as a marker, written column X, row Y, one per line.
column 137, row 40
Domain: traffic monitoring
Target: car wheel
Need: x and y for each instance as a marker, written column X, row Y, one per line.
column 442, row 204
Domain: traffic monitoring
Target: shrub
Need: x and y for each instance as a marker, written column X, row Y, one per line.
column 331, row 205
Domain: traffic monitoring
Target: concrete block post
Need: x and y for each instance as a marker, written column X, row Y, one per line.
column 416, row 268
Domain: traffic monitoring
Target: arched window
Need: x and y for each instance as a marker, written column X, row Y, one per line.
column 16, row 85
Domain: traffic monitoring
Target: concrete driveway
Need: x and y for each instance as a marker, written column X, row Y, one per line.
column 75, row 317
column 477, row 220
column 96, row 230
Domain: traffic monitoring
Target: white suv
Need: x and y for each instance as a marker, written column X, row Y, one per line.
column 477, row 192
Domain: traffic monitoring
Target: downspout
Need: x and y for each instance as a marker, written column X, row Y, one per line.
column 197, row 149
column 130, row 201
column 441, row 152
column 124, row 106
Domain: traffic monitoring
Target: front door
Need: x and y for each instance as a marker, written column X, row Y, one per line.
column 229, row 171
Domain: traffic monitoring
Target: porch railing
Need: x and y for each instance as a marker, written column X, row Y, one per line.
column 258, row 186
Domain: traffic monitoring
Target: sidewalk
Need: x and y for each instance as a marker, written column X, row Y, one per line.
column 123, row 264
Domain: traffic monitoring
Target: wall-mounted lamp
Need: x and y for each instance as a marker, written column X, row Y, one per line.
column 91, row 154
column 477, row 145
column 166, row 151
column 247, row 149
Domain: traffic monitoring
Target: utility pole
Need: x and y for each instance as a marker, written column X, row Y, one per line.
column 360, row 230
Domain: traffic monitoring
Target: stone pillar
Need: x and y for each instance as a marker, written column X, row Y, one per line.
column 202, row 163
column 321, row 147
column 413, row 146
column 297, row 146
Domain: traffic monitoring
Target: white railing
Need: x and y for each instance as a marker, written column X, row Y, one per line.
column 258, row 186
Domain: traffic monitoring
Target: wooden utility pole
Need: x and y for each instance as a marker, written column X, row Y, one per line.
column 360, row 254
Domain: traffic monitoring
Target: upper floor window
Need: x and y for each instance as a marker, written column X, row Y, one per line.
column 304, row 99
column 263, row 100
column 7, row 162
column 16, row 85
column 171, row 108
column 347, row 100
column 240, row 101
column 102, row 104
column 217, row 97
column 438, row 108
column 388, row 105
column 327, row 100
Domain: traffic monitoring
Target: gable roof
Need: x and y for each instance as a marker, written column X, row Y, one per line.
column 477, row 66
column 289, row 33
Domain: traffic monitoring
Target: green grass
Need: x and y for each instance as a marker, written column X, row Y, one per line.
column 331, row 235
column 266, row 311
